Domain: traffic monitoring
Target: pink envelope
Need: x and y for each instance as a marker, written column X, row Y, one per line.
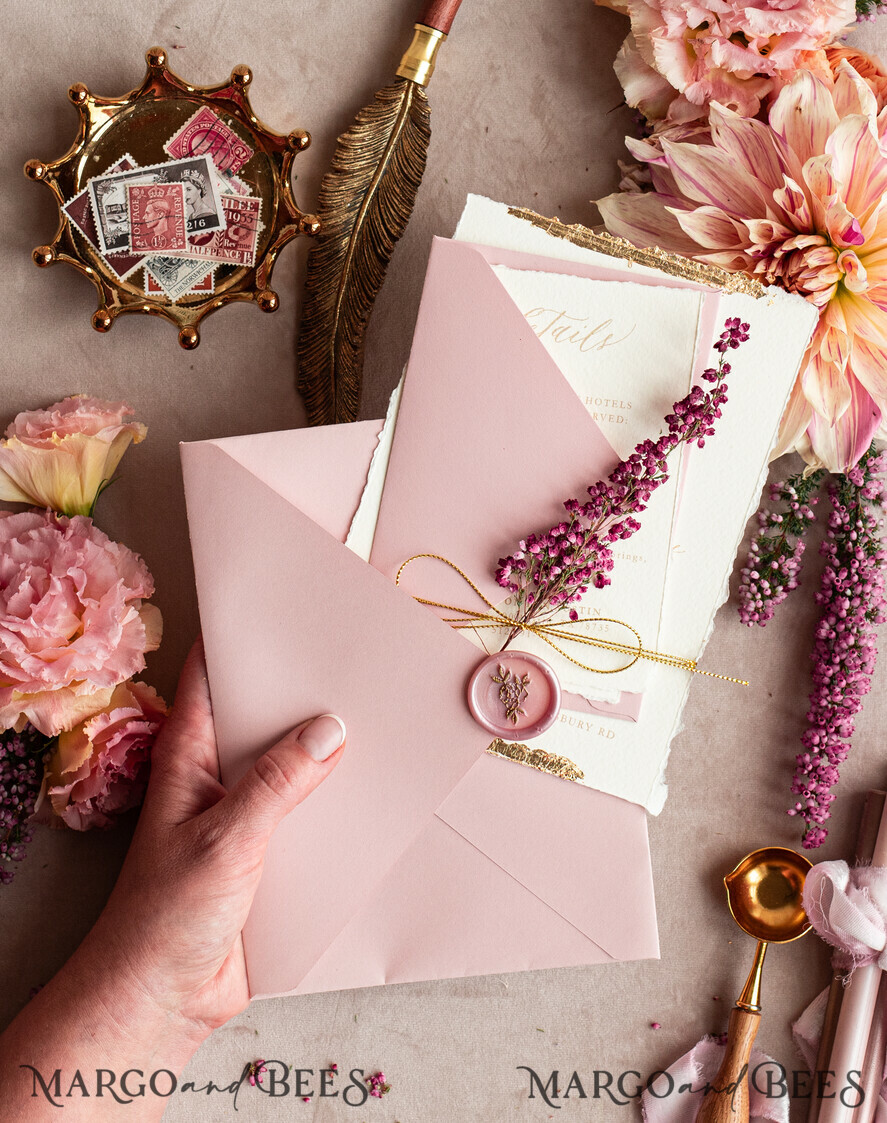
column 421, row 856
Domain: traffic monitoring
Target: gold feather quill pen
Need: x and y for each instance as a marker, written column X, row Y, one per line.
column 364, row 205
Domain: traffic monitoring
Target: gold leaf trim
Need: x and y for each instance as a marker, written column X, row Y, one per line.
column 654, row 258
column 537, row 758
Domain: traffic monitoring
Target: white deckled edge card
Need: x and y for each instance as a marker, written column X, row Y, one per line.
column 624, row 758
column 619, row 757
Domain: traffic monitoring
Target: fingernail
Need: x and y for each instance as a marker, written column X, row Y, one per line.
column 321, row 737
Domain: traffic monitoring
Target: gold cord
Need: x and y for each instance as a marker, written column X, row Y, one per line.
column 563, row 630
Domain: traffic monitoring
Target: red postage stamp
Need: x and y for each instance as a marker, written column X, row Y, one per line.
column 206, row 134
column 236, row 244
column 157, row 218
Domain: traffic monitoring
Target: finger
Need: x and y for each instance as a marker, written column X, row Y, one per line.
column 281, row 778
column 188, row 735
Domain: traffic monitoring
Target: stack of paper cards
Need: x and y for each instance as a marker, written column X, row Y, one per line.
column 629, row 341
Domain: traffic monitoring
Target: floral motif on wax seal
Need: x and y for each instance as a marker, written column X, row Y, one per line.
column 514, row 693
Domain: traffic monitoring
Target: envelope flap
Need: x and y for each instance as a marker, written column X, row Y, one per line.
column 322, row 470
column 296, row 625
column 490, row 438
column 583, row 853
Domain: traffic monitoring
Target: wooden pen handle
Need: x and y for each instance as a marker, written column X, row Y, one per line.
column 727, row 1100
column 439, row 14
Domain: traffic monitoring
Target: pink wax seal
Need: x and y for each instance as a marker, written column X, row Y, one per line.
column 514, row 694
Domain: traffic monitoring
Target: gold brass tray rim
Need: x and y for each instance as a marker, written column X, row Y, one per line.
column 96, row 115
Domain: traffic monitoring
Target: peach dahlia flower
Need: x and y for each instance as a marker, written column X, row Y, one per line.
column 797, row 202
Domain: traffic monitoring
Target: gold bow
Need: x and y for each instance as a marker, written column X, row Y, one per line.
column 560, row 630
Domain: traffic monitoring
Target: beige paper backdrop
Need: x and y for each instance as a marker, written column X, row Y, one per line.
column 525, row 108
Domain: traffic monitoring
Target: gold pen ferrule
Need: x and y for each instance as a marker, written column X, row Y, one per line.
column 418, row 62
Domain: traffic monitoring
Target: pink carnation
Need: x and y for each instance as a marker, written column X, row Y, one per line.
column 682, row 54
column 72, row 619
column 61, row 457
column 100, row 768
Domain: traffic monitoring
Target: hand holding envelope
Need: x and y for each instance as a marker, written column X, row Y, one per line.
column 422, row 856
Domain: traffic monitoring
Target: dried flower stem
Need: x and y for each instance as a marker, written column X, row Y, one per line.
column 774, row 558
column 844, row 653
column 549, row 571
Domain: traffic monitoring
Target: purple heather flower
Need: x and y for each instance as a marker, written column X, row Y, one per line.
column 774, row 558
column 21, row 774
column 574, row 555
column 844, row 652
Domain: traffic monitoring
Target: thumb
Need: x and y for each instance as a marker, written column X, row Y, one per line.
column 283, row 776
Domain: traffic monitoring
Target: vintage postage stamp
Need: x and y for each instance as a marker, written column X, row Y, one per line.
column 236, row 244
column 157, row 217
column 110, row 201
column 206, row 134
column 177, row 276
column 205, row 284
column 110, row 206
column 79, row 212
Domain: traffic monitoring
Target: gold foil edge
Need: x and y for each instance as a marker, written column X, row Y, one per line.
column 539, row 759
column 653, row 258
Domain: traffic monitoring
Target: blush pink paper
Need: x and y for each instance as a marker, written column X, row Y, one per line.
column 447, row 911
column 296, row 625
column 708, row 327
column 364, row 883
column 490, row 437
column 322, row 471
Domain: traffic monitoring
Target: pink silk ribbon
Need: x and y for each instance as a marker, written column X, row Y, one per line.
column 679, row 1102
column 848, row 909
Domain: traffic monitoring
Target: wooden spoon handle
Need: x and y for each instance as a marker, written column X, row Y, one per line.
column 439, row 14
column 727, row 1100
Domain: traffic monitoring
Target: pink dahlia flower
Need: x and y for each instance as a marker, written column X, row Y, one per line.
column 799, row 202
column 73, row 622
column 62, row 456
column 99, row 769
column 682, row 54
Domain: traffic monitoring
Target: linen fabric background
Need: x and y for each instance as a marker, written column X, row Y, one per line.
column 526, row 109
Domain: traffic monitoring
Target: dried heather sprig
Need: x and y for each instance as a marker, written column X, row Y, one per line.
column 867, row 10
column 255, row 1071
column 774, row 557
column 21, row 774
column 844, row 654
column 549, row 571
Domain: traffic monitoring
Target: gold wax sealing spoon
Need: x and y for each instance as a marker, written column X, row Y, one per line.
column 764, row 893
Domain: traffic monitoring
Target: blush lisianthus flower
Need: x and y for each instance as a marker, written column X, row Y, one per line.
column 63, row 456
column 799, row 201
column 73, row 619
column 99, row 769
column 681, row 55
